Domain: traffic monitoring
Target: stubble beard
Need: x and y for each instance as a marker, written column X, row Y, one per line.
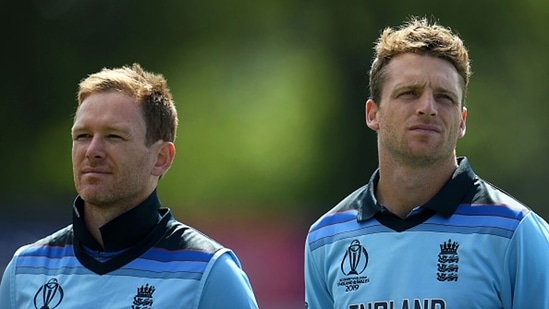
column 110, row 195
column 404, row 154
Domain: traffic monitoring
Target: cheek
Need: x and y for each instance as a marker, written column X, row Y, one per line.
column 387, row 122
column 136, row 160
column 76, row 153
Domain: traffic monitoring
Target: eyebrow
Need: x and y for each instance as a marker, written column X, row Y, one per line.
column 415, row 86
column 109, row 128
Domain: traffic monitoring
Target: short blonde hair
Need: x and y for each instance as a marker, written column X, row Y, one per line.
column 418, row 36
column 149, row 89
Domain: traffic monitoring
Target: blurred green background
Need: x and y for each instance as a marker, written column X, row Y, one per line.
column 270, row 97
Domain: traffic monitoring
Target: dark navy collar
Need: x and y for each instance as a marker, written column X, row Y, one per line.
column 123, row 231
column 445, row 202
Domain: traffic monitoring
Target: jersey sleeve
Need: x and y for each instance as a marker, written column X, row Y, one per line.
column 317, row 295
column 527, row 273
column 227, row 286
column 5, row 286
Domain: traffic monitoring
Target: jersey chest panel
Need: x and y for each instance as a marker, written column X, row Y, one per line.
column 416, row 269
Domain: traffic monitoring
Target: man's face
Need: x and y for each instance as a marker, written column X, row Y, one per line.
column 111, row 164
column 420, row 116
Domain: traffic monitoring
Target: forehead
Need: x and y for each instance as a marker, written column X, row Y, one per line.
column 109, row 109
column 422, row 70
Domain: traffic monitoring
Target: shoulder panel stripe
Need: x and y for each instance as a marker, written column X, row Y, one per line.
column 46, row 250
column 82, row 271
column 164, row 255
column 334, row 218
column 497, row 220
column 471, row 221
column 48, row 262
column 352, row 229
column 495, row 210
column 174, row 266
column 444, row 228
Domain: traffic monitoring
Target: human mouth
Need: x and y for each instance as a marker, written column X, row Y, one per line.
column 94, row 171
column 427, row 128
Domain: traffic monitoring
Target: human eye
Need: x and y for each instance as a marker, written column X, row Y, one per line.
column 407, row 94
column 81, row 136
column 446, row 98
column 116, row 137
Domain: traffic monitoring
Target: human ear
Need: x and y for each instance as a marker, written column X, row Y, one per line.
column 462, row 123
column 371, row 110
column 164, row 158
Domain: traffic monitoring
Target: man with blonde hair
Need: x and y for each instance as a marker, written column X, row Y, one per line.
column 123, row 250
column 425, row 231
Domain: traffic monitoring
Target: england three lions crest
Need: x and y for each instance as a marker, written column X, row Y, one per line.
column 448, row 259
column 144, row 297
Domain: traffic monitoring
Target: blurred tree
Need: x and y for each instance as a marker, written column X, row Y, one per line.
column 270, row 93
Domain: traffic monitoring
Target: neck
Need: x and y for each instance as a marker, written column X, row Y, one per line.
column 401, row 188
column 96, row 216
column 94, row 219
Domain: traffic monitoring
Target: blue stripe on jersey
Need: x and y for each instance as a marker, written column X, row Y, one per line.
column 341, row 225
column 54, row 257
column 140, row 263
column 156, row 254
column 174, row 266
column 331, row 223
column 155, row 263
column 41, row 270
column 482, row 219
column 428, row 227
column 334, row 218
column 492, row 210
column 30, row 261
column 53, row 252
column 351, row 233
column 123, row 272
column 163, row 255
column 498, row 220
column 144, row 273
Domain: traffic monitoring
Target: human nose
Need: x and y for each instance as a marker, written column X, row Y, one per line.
column 95, row 149
column 427, row 104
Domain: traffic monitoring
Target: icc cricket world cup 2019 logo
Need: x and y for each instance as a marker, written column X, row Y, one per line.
column 355, row 260
column 353, row 264
column 49, row 295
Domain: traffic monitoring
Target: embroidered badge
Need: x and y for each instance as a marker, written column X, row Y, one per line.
column 448, row 259
column 144, row 297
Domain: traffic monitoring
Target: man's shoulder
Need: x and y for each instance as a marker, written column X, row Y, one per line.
column 489, row 197
column 345, row 210
column 180, row 236
column 55, row 241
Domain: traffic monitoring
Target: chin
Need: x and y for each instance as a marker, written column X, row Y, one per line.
column 95, row 197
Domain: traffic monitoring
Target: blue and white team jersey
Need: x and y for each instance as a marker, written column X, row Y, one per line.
column 171, row 266
column 471, row 246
